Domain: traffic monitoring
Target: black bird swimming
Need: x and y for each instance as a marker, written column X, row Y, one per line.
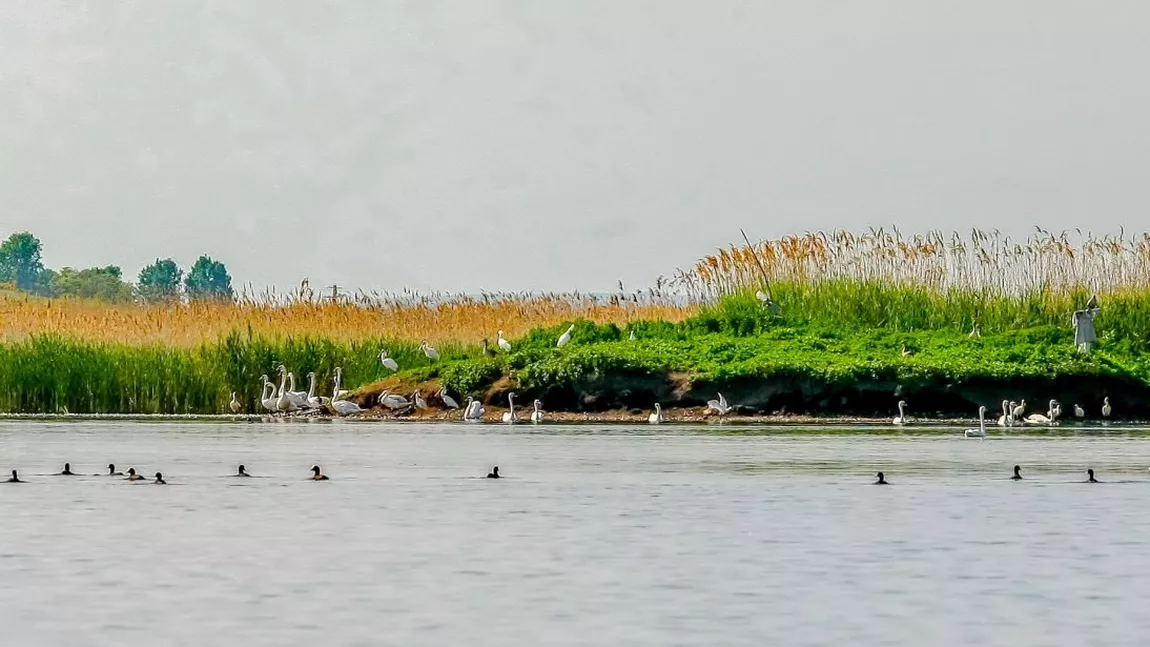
column 494, row 474
column 112, row 470
column 317, row 475
column 881, row 480
column 67, row 470
column 15, row 478
column 1017, row 476
column 1090, row 473
column 242, row 472
column 160, row 479
column 133, row 476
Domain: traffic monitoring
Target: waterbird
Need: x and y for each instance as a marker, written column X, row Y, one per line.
column 133, row 476
column 1091, row 479
column 1106, row 408
column 283, row 403
column 317, row 475
column 1017, row 474
column 160, row 479
column 974, row 331
column 296, row 399
column 234, row 405
column 337, row 392
column 313, row 400
column 631, row 337
column 901, row 418
column 494, row 473
column 448, row 401
column 503, row 343
column 906, row 352
column 112, row 470
column 537, row 414
column 509, row 415
column 1039, row 419
column 565, row 337
column 243, row 471
column 1079, row 412
column 1055, row 411
column 1006, row 420
column 388, row 363
column 474, row 411
column 418, row 399
column 719, row 406
column 393, row 401
column 342, row 407
column 15, row 478
column 981, row 431
column 430, row 352
column 267, row 399
column 1017, row 411
column 67, row 470
column 657, row 417
column 881, row 479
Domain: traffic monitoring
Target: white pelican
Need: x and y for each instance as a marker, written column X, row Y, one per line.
column 981, row 431
column 448, row 401
column 1006, row 419
column 387, row 362
column 430, row 352
column 417, row 398
column 1039, row 419
column 1106, row 408
column 503, row 343
column 537, row 414
column 509, row 415
column 1079, row 412
column 234, row 405
column 657, row 417
column 719, row 406
column 901, row 418
column 392, row 401
column 1017, row 411
column 565, row 337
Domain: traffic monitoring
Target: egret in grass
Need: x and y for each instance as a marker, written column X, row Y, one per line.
column 503, row 343
column 565, row 337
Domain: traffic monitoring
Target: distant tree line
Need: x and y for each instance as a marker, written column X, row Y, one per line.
column 21, row 266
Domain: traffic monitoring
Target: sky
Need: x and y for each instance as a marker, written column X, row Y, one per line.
column 554, row 145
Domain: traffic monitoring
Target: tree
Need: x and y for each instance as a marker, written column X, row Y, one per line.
column 104, row 283
column 20, row 261
column 160, row 281
column 208, row 279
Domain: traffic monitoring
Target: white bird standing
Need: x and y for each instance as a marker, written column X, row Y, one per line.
column 297, row 398
column 509, row 415
column 565, row 337
column 234, row 405
column 388, row 363
column 337, row 392
column 313, row 400
column 430, row 352
column 1017, row 411
column 537, row 414
column 1055, row 412
column 1006, row 420
column 1039, row 419
column 448, row 401
column 719, row 406
column 342, row 407
column 503, row 343
column 901, row 418
column 1106, row 408
column 657, row 417
column 1079, row 412
column 981, row 431
column 268, row 399
column 283, row 402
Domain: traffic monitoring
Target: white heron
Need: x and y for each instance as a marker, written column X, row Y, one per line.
column 537, row 414
column 1039, row 419
column 430, row 352
column 565, row 337
column 719, row 406
column 1106, row 408
column 1079, row 412
column 448, row 401
column 393, row 401
column 981, row 431
column 509, row 415
column 657, row 417
column 1006, row 419
column 234, row 405
column 503, row 343
column 901, row 418
column 388, row 363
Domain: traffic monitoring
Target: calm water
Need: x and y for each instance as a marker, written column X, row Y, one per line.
column 599, row 536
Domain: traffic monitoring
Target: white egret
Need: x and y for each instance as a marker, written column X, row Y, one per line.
column 503, row 343
column 657, row 417
column 981, row 431
column 448, row 401
column 719, row 406
column 901, row 418
column 430, row 352
column 509, row 415
column 387, row 362
column 234, row 405
column 565, row 337
column 537, row 414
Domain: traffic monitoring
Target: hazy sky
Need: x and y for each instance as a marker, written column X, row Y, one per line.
column 541, row 144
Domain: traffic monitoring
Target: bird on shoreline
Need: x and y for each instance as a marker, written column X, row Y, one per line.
column 1079, row 412
column 1006, row 419
column 448, row 401
column 503, row 343
column 537, row 414
column 1106, row 408
column 474, row 410
column 1040, row 419
column 719, row 406
column 658, row 417
column 1019, row 410
column 234, row 405
column 393, row 401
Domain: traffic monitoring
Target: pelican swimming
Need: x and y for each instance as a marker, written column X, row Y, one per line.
column 393, row 401
column 719, row 406
column 503, row 343
column 1106, row 408
column 1039, row 419
column 657, row 417
column 388, row 363
column 565, row 337
column 430, row 352
column 234, row 405
column 981, row 431
column 537, row 414
column 448, row 401
column 1006, row 419
column 901, row 418
column 509, row 415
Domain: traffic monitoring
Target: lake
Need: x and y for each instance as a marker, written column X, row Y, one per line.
column 599, row 535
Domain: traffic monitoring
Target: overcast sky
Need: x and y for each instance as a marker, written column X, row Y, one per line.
column 539, row 144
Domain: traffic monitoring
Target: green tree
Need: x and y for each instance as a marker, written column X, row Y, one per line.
column 208, row 279
column 20, row 261
column 160, row 281
column 104, row 283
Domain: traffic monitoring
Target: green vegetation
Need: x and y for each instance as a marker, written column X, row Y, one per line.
column 208, row 279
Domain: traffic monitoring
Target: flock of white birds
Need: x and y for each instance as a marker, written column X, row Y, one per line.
column 1014, row 413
